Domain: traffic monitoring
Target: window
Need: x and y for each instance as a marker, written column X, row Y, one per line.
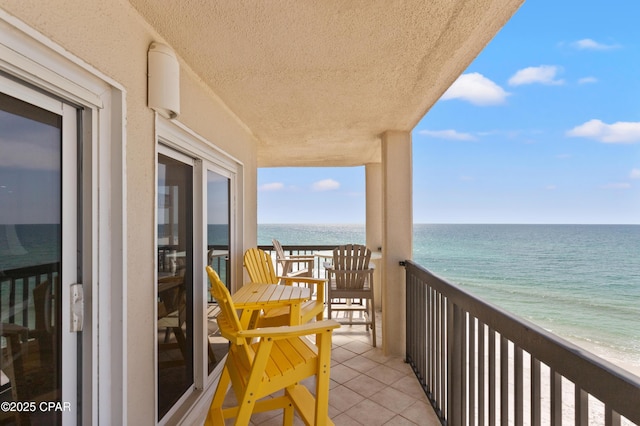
column 175, row 281
column 218, row 237
column 195, row 228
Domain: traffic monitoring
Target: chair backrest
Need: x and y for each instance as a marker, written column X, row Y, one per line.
column 260, row 266
column 280, row 256
column 349, row 262
column 42, row 302
column 228, row 321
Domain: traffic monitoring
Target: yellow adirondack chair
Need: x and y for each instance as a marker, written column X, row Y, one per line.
column 264, row 361
column 260, row 268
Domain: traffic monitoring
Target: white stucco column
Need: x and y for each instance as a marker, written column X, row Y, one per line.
column 373, row 174
column 397, row 230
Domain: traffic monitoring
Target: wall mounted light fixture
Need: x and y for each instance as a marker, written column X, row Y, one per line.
column 163, row 81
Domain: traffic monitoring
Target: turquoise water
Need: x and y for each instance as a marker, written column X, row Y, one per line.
column 582, row 282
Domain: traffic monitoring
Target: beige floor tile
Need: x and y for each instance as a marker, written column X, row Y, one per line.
column 393, row 399
column 421, row 413
column 365, row 385
column 344, row 420
column 343, row 398
column 357, row 346
column 342, row 374
column 400, row 421
column 361, row 364
column 410, row 386
column 385, row 374
column 377, row 355
column 398, row 363
column 340, row 355
column 370, row 413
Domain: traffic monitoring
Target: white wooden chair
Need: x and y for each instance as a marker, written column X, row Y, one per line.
column 290, row 263
column 351, row 280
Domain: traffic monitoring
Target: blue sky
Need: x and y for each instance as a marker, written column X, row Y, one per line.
column 543, row 127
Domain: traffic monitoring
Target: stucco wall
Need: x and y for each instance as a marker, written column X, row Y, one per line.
column 111, row 37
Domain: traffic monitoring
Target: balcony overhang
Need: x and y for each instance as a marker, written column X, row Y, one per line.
column 317, row 82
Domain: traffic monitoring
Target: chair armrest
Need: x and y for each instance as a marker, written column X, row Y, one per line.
column 344, row 271
column 304, row 280
column 300, row 257
column 288, row 331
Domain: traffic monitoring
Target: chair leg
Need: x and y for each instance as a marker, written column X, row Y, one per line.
column 215, row 409
column 245, row 408
column 288, row 415
column 322, row 379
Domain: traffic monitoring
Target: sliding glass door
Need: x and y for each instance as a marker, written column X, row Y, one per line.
column 174, row 334
column 195, row 228
column 39, row 256
column 218, row 214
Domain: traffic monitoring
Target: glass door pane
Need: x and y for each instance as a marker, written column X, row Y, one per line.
column 174, row 333
column 218, row 237
column 31, row 256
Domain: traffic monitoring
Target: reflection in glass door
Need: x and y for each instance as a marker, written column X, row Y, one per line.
column 38, row 149
column 174, row 334
column 218, row 236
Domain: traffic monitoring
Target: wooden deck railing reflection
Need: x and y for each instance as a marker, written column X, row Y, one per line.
column 16, row 288
column 479, row 364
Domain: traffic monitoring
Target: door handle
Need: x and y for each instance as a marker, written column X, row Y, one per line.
column 77, row 307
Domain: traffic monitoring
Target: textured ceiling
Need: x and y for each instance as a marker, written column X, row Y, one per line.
column 318, row 81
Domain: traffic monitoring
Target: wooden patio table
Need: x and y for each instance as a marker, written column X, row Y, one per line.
column 254, row 297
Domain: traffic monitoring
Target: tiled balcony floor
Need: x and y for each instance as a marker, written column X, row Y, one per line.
column 367, row 388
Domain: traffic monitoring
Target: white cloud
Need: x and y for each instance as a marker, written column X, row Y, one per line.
column 551, row 187
column 325, row 185
column 590, row 44
column 448, row 134
column 617, row 185
column 635, row 174
column 587, row 80
column 274, row 186
column 544, row 74
column 476, row 89
column 619, row 132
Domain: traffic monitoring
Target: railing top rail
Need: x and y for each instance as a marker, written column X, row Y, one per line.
column 29, row 271
column 595, row 375
column 300, row 247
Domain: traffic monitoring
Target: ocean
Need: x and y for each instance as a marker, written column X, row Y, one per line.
column 581, row 282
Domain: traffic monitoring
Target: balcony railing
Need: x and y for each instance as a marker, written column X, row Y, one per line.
column 479, row 364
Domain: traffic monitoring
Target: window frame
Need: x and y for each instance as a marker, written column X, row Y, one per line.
column 179, row 142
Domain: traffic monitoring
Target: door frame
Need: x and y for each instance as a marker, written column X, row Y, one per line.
column 32, row 59
column 70, row 203
column 179, row 142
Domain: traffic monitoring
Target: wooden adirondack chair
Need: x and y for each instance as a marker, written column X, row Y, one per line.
column 259, row 265
column 351, row 278
column 287, row 262
column 264, row 361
